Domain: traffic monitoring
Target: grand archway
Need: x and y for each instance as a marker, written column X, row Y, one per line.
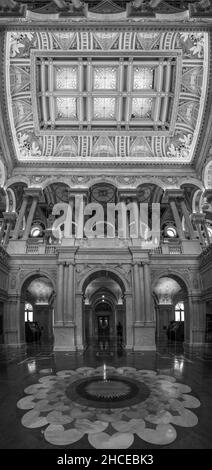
column 104, row 310
column 171, row 308
column 36, row 309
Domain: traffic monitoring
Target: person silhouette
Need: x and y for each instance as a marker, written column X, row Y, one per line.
column 119, row 330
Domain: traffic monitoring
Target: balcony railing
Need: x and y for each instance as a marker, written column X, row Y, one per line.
column 175, row 249
column 168, row 249
column 40, row 249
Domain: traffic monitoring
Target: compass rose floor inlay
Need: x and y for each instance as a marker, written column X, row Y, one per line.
column 109, row 409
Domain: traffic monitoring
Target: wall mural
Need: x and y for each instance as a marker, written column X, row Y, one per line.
column 174, row 141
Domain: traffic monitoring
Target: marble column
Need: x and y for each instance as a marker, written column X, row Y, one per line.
column 20, row 217
column 70, row 294
column 177, row 219
column 59, row 300
column 148, row 294
column 34, row 193
column 137, row 292
column 171, row 196
column 195, row 332
column 142, row 293
column 79, row 321
column 144, row 329
column 129, row 320
column 187, row 219
column 64, row 332
column 80, row 202
column 13, row 322
column 65, row 292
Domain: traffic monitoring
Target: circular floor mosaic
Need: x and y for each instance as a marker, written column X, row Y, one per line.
column 110, row 412
column 114, row 392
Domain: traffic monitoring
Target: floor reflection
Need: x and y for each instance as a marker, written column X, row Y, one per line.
column 21, row 368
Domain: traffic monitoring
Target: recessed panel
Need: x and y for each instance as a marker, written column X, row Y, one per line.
column 105, row 78
column 142, row 78
column 104, row 108
column 141, row 108
column 66, row 78
column 66, row 108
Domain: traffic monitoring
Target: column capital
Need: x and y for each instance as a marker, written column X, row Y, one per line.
column 173, row 194
column 33, row 192
column 61, row 263
column 136, row 263
column 145, row 263
column 70, row 263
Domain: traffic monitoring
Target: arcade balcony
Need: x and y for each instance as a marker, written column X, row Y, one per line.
column 37, row 247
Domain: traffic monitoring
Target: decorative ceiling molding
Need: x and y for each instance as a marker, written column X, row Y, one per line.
column 115, row 9
column 121, row 181
column 89, row 143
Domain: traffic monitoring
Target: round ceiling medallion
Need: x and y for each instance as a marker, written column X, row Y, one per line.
column 103, row 193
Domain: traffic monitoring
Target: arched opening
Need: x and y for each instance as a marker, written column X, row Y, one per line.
column 171, row 308
column 37, row 299
column 104, row 313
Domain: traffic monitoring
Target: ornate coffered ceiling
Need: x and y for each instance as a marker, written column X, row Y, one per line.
column 130, row 95
column 93, row 9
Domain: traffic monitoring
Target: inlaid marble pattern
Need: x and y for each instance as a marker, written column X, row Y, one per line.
column 50, row 404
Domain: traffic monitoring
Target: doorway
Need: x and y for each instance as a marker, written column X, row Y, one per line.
column 103, row 327
column 104, row 309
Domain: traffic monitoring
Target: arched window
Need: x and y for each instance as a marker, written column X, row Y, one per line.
column 179, row 311
column 28, row 312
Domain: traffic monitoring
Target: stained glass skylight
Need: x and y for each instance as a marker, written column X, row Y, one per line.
column 80, row 93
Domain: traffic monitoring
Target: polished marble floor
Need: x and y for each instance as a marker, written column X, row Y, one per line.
column 106, row 397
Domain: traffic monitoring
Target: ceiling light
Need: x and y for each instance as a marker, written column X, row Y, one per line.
column 36, row 231
column 171, row 232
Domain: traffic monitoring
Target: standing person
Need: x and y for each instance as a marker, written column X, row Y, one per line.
column 119, row 330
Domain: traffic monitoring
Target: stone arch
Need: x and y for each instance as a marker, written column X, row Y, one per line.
column 173, row 274
column 89, row 320
column 28, row 277
column 51, row 180
column 18, row 179
column 192, row 181
column 104, row 271
column 103, row 180
column 165, row 308
column 42, row 298
column 152, row 180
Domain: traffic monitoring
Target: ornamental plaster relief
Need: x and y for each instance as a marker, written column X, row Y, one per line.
column 178, row 147
column 86, row 181
column 83, row 270
column 182, row 273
